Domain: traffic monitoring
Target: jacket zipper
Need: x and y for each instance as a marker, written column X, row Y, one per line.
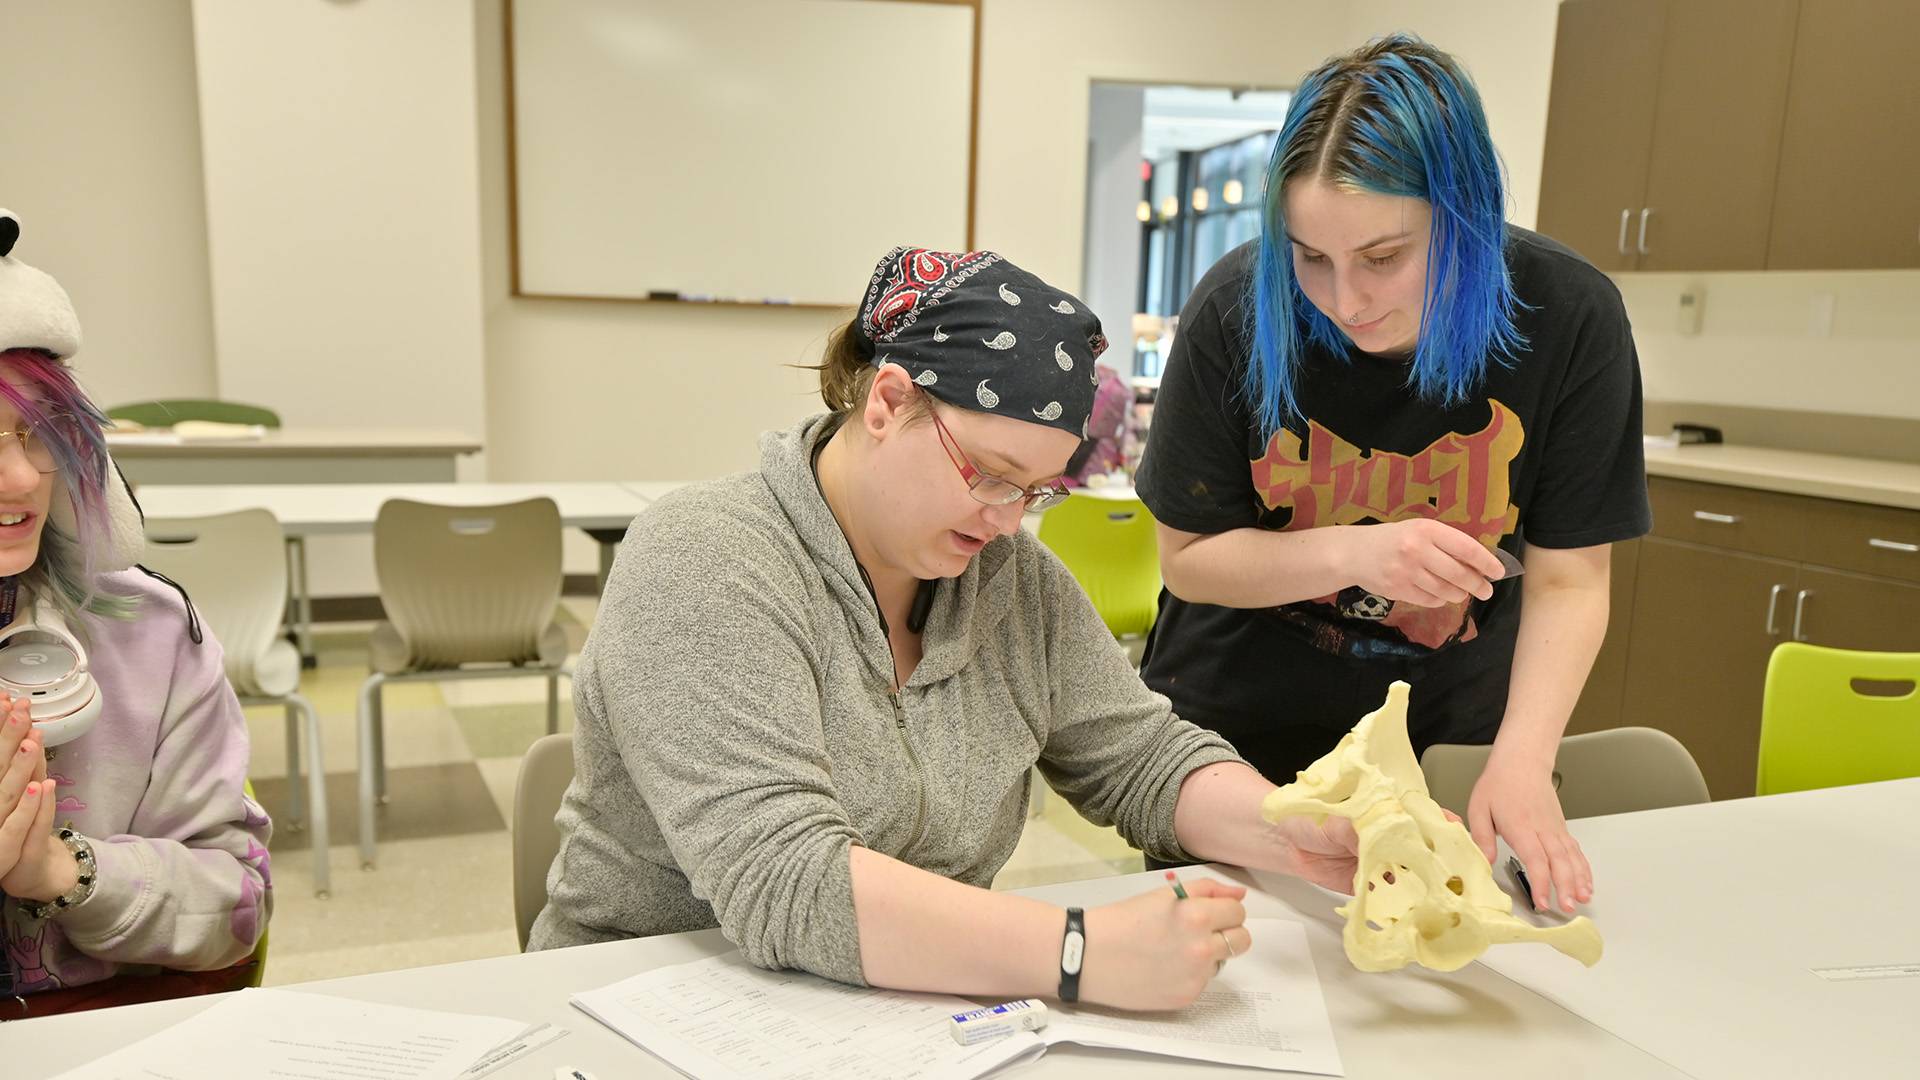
column 919, row 777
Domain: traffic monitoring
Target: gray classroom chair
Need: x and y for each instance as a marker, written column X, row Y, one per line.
column 235, row 568
column 544, row 775
column 470, row 593
column 1601, row 772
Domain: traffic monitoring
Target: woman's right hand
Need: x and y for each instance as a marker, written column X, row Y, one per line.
column 1157, row 951
column 1419, row 561
column 20, row 765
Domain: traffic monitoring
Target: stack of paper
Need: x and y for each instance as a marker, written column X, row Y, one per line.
column 281, row 1033
column 722, row 1017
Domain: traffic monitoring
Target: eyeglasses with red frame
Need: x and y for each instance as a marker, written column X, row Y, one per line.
column 992, row 490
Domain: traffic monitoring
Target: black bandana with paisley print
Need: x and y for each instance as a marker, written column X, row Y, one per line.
column 980, row 333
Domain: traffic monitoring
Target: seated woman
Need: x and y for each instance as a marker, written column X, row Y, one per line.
column 811, row 701
column 127, row 844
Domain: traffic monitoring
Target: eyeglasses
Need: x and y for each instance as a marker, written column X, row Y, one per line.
column 38, row 450
column 992, row 490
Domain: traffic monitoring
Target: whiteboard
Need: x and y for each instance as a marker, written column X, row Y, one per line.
column 745, row 150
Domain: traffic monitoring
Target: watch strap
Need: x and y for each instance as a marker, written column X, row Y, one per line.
column 1073, row 952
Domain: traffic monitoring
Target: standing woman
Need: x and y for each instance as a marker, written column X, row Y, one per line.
column 1362, row 405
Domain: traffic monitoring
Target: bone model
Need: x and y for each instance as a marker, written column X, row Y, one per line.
column 1423, row 892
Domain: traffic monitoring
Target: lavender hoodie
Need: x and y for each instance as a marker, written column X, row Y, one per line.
column 157, row 785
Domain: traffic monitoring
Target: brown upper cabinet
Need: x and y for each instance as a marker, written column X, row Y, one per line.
column 1734, row 134
column 1848, row 192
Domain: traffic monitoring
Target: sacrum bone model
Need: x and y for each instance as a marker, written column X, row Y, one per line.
column 1423, row 893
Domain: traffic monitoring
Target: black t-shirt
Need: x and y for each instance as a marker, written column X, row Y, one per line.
column 1547, row 451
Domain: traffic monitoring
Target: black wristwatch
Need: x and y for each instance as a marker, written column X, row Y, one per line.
column 1073, row 950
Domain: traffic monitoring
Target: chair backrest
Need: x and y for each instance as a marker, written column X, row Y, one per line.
column 1110, row 547
column 169, row 412
column 1601, row 772
column 544, row 775
column 469, row 584
column 1835, row 716
column 234, row 566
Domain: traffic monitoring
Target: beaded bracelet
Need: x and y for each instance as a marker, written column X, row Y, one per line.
column 82, row 854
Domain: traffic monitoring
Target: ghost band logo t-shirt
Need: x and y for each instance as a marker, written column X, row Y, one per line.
column 1546, row 452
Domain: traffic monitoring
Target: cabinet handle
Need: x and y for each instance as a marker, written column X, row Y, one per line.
column 1717, row 519
column 1645, row 213
column 1773, row 604
column 1625, row 216
column 1799, row 610
column 1893, row 545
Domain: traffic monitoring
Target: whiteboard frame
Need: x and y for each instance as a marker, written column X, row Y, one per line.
column 513, row 178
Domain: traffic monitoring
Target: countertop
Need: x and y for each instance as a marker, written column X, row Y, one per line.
column 1824, row 476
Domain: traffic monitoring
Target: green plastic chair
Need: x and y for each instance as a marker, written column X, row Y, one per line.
column 1817, row 729
column 1110, row 547
column 171, row 412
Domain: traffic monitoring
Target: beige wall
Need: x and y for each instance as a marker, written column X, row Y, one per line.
column 582, row 390
column 1764, row 343
column 343, row 193
column 100, row 157
column 343, row 208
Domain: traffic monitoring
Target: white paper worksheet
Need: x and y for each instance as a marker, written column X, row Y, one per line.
column 285, row 1034
column 722, row 1017
column 1264, row 1010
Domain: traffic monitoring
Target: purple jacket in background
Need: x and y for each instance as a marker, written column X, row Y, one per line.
column 158, row 786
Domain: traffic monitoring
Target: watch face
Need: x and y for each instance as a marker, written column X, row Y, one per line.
column 36, row 663
column 1071, row 952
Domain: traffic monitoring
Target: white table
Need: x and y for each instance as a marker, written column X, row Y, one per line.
column 1713, row 915
column 293, row 455
column 601, row 509
column 652, row 490
column 1445, row 1027
column 1716, row 917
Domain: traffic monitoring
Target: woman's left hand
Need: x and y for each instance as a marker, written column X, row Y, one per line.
column 1326, row 854
column 1519, row 803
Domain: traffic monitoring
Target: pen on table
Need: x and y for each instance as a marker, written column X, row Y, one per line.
column 1520, row 878
column 567, row 1072
column 1178, row 891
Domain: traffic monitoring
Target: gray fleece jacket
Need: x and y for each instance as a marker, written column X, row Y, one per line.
column 737, row 733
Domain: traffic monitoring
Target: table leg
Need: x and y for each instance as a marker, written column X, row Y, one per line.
column 609, row 541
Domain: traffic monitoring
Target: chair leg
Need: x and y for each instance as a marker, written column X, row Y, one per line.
column 379, row 712
column 316, row 794
column 296, row 795
column 369, row 704
column 553, row 703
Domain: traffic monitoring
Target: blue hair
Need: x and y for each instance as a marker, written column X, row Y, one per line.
column 1396, row 117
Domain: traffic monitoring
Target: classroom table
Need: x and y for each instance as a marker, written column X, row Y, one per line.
column 602, row 509
column 1713, row 915
column 293, row 455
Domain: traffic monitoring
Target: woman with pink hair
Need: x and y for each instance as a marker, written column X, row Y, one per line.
column 128, row 846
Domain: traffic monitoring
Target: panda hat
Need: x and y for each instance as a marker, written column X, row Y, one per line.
column 36, row 313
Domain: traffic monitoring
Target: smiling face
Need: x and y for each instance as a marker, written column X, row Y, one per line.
column 1361, row 258
column 921, row 518
column 25, row 491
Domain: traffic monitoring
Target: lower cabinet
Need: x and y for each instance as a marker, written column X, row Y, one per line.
column 1699, row 606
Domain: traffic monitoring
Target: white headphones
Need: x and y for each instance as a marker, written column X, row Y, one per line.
column 41, row 661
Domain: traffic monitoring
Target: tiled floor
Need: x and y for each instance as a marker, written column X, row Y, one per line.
column 443, row 890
